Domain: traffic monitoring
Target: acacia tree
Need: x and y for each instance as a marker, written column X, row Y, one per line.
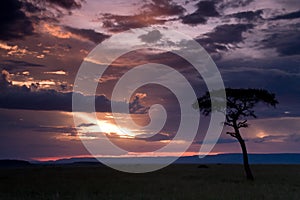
column 240, row 107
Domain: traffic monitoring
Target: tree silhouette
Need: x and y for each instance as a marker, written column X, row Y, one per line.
column 240, row 107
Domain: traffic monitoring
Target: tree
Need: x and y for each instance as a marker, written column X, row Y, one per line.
column 240, row 107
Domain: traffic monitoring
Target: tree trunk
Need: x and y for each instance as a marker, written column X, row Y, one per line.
column 245, row 158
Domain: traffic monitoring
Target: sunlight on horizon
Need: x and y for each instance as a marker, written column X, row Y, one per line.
column 129, row 155
column 103, row 126
column 261, row 134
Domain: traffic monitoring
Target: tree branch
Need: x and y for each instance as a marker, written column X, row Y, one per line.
column 232, row 134
column 242, row 124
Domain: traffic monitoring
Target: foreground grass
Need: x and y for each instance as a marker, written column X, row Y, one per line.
column 173, row 182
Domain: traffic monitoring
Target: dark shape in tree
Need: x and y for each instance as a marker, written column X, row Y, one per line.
column 240, row 106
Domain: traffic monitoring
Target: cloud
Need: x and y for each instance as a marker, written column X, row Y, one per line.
column 17, row 65
column 66, row 32
column 223, row 36
column 141, row 95
column 67, row 4
column 286, row 43
column 24, row 98
column 31, row 98
column 163, row 8
column 204, row 10
column 234, row 3
column 88, row 34
column 229, row 33
column 136, row 107
column 151, row 37
column 21, row 97
column 248, row 15
column 15, row 50
column 119, row 23
column 34, row 6
column 13, row 21
column 156, row 138
column 278, row 138
column 58, row 129
column 56, row 31
column 86, row 125
column 59, row 72
column 5, row 79
column 155, row 12
column 208, row 8
column 49, row 10
column 228, row 140
column 30, row 7
column 292, row 15
column 19, row 17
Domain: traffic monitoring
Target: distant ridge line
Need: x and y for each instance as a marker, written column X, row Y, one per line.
column 229, row 158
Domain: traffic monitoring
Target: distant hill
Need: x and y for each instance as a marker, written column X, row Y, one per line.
column 14, row 163
column 211, row 159
column 238, row 159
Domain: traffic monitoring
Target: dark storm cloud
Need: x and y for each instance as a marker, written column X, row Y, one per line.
column 30, row 7
column 220, row 141
column 34, row 6
column 286, row 43
column 13, row 21
column 67, row 4
column 17, row 64
column 136, row 107
column 223, row 35
column 207, row 9
column 229, row 33
column 29, row 98
column 279, row 75
column 151, row 37
column 226, row 140
column 148, row 16
column 88, row 34
column 163, row 8
column 248, row 15
column 24, row 98
column 86, row 125
column 155, row 138
column 119, row 23
column 293, row 15
column 204, row 10
column 52, row 129
column 50, row 10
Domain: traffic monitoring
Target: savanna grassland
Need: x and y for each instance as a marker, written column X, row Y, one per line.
column 173, row 182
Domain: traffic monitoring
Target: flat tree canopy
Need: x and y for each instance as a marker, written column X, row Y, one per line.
column 240, row 106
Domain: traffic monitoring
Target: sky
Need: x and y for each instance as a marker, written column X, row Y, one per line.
column 255, row 44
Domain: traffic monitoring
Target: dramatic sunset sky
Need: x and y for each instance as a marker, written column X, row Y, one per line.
column 254, row 43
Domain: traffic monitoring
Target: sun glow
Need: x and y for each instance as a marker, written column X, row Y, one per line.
column 90, row 125
column 261, row 134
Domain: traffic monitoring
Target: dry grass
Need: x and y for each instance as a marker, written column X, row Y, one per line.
column 173, row 182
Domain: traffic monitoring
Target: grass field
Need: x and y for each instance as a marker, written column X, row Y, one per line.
column 173, row 182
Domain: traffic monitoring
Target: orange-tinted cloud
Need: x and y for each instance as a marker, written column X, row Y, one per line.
column 64, row 32
column 56, row 31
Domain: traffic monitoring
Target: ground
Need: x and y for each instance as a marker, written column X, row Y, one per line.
column 174, row 182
